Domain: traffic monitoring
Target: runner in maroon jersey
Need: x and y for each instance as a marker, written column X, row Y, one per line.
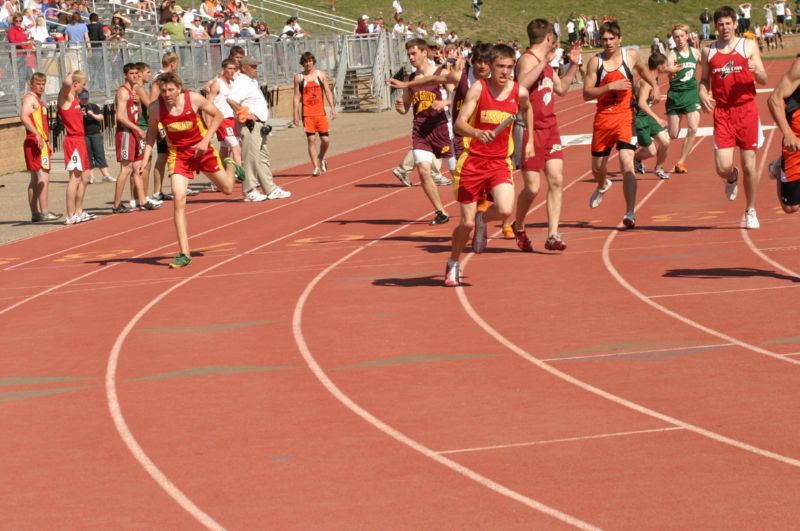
column 730, row 68
column 76, row 156
column 535, row 73
column 127, row 140
column 485, row 123
column 430, row 136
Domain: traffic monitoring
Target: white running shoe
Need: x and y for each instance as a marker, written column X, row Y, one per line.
column 638, row 166
column 661, row 174
column 91, row 178
column 316, row 173
column 85, row 216
column 402, row 175
column 324, row 164
column 732, row 188
column 109, row 179
column 132, row 203
column 72, row 220
column 629, row 220
column 597, row 195
column 441, row 180
column 279, row 193
column 254, row 196
column 153, row 199
column 452, row 274
column 750, row 219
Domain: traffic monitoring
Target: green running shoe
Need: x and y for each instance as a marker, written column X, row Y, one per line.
column 181, row 261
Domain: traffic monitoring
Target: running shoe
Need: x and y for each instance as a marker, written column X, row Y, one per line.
column 161, row 196
column 191, row 192
column 121, row 208
column 680, row 168
column 750, row 219
column 109, row 179
column 149, row 205
column 36, row 217
column 238, row 171
column 775, row 169
column 316, row 173
column 91, row 178
column 483, row 204
column 638, row 166
column 85, row 216
column 508, row 231
column 254, row 196
column 180, row 261
column 523, row 242
column 324, row 164
column 155, row 200
column 72, row 220
column 661, row 174
column 441, row 180
column 479, row 236
column 629, row 220
column 555, row 243
column 279, row 193
column 440, row 219
column 732, row 188
column 49, row 216
column 597, row 195
column 402, row 175
column 452, row 274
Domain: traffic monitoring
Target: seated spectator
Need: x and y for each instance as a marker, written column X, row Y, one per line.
column 187, row 17
column 247, row 31
column 451, row 38
column 377, row 27
column 28, row 19
column 165, row 11
column 230, row 7
column 422, row 31
column 164, row 37
column 232, row 29
column 361, row 26
column 39, row 31
column 261, row 31
column 208, row 9
column 299, row 32
column 288, row 30
column 6, row 10
column 176, row 29
column 399, row 29
column 197, row 32
column 217, row 29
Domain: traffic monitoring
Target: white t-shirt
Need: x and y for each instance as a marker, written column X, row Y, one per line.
column 768, row 15
column 397, row 7
column 220, row 101
column 439, row 27
column 746, row 12
column 246, row 92
column 570, row 27
column 780, row 8
column 557, row 58
column 399, row 29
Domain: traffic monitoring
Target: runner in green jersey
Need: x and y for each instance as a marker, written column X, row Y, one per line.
column 683, row 98
column 649, row 125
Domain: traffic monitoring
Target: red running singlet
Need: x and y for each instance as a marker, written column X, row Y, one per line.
column 489, row 113
column 732, row 83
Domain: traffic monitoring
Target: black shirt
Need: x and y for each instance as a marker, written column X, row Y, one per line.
column 90, row 125
column 96, row 34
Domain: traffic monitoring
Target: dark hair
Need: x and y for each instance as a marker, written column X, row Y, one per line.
column 93, row 17
column 724, row 12
column 141, row 67
column 170, row 77
column 612, row 27
column 236, row 50
column 306, row 56
column 538, row 30
column 228, row 62
column 128, row 67
column 420, row 44
column 481, row 52
column 502, row 50
column 76, row 17
column 655, row 60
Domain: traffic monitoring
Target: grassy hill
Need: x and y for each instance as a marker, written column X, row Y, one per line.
column 506, row 19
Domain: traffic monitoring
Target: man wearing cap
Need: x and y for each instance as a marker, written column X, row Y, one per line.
column 250, row 106
column 361, row 27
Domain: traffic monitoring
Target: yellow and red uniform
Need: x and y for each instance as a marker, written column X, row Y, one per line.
column 184, row 131
column 484, row 166
column 37, row 159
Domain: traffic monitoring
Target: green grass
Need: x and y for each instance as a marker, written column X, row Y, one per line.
column 506, row 19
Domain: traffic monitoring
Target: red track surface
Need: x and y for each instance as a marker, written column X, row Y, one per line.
column 308, row 370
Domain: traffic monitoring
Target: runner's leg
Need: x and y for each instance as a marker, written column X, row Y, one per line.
column 554, row 172
column 179, row 186
column 692, row 121
column 628, row 178
column 751, row 177
column 526, row 197
column 463, row 229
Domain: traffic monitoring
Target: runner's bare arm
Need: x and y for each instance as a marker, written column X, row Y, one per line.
column 453, row 76
column 153, row 114
column 590, row 91
column 755, row 64
column 28, row 107
column 211, row 111
column 328, row 94
column 144, row 97
column 64, row 94
column 704, row 87
column 528, row 70
column 403, row 104
column 644, row 96
column 122, row 115
column 470, row 103
column 526, row 109
column 777, row 106
column 561, row 85
column 296, row 100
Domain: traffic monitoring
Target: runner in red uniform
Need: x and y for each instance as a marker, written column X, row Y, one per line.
column 491, row 104
column 535, row 73
column 730, row 68
column 127, row 137
column 310, row 86
column 430, row 136
column 36, row 149
column 189, row 150
column 76, row 156
column 784, row 104
column 609, row 80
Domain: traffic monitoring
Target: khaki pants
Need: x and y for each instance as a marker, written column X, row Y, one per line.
column 255, row 160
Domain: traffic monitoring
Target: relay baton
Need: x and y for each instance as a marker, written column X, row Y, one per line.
column 505, row 123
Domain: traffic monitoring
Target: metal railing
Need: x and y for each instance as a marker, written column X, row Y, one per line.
column 308, row 15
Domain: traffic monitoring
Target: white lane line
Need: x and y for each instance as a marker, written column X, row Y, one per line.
column 556, row 441
column 639, row 352
column 113, row 362
column 524, row 354
column 720, row 292
column 173, row 243
column 195, row 210
column 319, row 373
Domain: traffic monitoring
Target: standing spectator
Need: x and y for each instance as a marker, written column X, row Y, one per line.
column 398, row 10
column 557, row 29
column 93, row 126
column 249, row 104
column 399, row 29
column 705, row 21
column 361, row 25
column 439, row 28
column 476, row 8
column 769, row 16
column 780, row 13
column 38, row 31
column 299, row 32
column 788, row 21
column 581, row 29
column 572, row 36
column 26, row 61
column 165, row 11
column 745, row 9
column 176, row 29
column 421, row 31
column 97, row 75
column 590, row 28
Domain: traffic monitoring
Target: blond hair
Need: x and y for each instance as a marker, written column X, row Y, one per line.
column 683, row 27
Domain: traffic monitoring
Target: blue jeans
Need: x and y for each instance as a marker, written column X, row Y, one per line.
column 706, row 31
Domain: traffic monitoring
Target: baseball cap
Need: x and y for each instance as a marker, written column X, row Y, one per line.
column 84, row 95
column 364, row 17
column 247, row 60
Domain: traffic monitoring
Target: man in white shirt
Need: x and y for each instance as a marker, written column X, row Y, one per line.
column 439, row 28
column 248, row 103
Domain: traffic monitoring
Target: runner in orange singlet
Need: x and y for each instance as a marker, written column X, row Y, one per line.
column 36, row 149
column 784, row 104
column 609, row 80
column 189, row 150
column 309, row 87
column 485, row 123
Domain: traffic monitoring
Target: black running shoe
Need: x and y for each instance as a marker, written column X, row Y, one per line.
column 121, row 208
column 440, row 219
